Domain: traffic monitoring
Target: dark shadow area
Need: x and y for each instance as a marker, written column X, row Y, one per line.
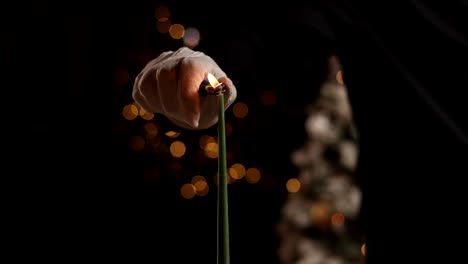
column 72, row 188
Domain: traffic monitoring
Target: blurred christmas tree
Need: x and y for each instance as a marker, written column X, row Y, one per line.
column 318, row 222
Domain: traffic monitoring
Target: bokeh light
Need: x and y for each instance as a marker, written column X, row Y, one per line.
column 163, row 26
column 176, row 31
column 130, row 111
column 145, row 115
column 252, row 175
column 151, row 129
column 268, row 98
column 188, row 191
column 338, row 219
column 240, row 110
column 319, row 212
column 162, row 13
column 293, row 185
column 211, row 150
column 191, row 37
column 172, row 134
column 177, row 149
column 237, row 171
column 137, row 143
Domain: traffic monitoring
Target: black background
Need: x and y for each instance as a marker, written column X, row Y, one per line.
column 72, row 189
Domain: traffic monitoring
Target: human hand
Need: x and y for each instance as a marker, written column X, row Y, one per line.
column 169, row 85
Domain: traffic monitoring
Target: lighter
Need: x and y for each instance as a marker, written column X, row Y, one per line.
column 211, row 86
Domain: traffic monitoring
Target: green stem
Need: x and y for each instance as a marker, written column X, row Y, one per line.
column 223, row 219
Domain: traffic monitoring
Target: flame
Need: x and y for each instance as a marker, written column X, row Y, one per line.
column 213, row 81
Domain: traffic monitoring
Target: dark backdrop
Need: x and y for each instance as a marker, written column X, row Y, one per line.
column 73, row 191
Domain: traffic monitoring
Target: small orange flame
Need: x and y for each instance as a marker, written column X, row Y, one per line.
column 213, row 81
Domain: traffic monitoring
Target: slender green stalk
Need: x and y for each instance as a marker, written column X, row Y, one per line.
column 223, row 219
